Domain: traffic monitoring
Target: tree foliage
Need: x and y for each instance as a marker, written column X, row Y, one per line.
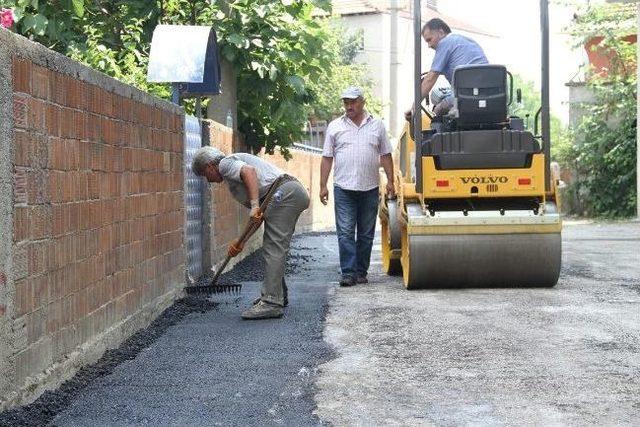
column 278, row 49
column 604, row 154
column 342, row 45
column 527, row 108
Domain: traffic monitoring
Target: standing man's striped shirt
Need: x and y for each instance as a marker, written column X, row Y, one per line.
column 356, row 152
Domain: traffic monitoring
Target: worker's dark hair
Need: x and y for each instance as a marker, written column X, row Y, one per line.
column 436, row 24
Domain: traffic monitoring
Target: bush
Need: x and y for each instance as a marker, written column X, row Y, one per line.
column 604, row 153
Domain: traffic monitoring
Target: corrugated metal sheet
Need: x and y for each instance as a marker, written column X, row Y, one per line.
column 193, row 188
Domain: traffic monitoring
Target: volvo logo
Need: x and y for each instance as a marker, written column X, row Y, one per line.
column 484, row 179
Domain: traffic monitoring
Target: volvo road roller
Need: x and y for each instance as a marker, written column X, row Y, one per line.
column 477, row 203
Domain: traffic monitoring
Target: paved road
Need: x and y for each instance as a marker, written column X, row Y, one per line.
column 387, row 356
column 567, row 355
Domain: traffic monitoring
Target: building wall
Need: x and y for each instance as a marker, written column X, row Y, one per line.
column 220, row 105
column 91, row 233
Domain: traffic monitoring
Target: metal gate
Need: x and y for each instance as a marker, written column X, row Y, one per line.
column 193, row 186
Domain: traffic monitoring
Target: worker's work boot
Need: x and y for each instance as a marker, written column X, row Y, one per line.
column 285, row 293
column 262, row 310
column 362, row 279
column 347, row 281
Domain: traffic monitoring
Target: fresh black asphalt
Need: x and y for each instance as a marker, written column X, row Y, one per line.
column 200, row 364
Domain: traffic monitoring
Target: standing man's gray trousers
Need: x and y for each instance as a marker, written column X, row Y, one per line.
column 280, row 218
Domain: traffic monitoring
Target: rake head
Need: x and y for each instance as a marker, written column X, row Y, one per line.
column 232, row 288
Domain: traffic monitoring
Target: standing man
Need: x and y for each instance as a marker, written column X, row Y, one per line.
column 359, row 144
column 452, row 51
column 249, row 178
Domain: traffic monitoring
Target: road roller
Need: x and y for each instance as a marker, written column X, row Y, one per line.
column 477, row 201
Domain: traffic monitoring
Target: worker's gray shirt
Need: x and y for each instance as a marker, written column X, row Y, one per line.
column 230, row 167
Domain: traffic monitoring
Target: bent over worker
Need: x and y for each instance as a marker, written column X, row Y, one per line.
column 249, row 178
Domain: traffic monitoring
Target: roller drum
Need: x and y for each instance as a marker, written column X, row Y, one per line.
column 483, row 260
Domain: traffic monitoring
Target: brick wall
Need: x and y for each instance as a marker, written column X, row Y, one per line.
column 95, row 239
column 91, row 213
column 228, row 218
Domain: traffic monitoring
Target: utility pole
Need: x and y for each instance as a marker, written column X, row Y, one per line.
column 638, row 115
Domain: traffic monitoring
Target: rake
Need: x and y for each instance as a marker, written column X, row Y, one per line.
column 252, row 226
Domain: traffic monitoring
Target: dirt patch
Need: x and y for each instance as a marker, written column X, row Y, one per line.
column 47, row 406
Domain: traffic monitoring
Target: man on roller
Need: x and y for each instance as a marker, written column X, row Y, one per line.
column 452, row 51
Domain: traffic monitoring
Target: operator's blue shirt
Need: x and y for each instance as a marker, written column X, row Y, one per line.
column 455, row 50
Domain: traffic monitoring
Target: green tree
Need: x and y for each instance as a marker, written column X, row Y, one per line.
column 531, row 102
column 605, row 141
column 342, row 46
column 275, row 46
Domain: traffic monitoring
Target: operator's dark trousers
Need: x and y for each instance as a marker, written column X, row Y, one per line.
column 356, row 213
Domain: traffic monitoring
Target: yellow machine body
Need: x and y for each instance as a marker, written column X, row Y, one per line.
column 458, row 247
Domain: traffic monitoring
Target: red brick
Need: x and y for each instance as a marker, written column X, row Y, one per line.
column 72, row 154
column 20, row 189
column 54, row 316
column 36, row 114
column 22, row 141
column 36, row 326
column 81, row 306
column 93, row 185
column 68, row 187
column 56, row 153
column 57, row 90
column 58, row 222
column 21, row 74
column 71, row 88
column 23, row 298
column 37, row 186
column 97, row 156
column 21, row 223
column 40, row 222
column 75, row 211
column 40, row 291
column 106, row 104
column 53, row 119
column 67, row 124
column 40, row 82
column 80, row 124
column 55, row 186
column 39, row 151
column 21, row 111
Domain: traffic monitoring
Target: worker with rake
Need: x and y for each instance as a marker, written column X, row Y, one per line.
column 275, row 198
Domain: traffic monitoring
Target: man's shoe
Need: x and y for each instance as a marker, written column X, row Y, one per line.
column 362, row 279
column 262, row 310
column 347, row 281
column 285, row 302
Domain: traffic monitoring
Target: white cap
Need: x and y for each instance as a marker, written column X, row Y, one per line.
column 352, row 92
